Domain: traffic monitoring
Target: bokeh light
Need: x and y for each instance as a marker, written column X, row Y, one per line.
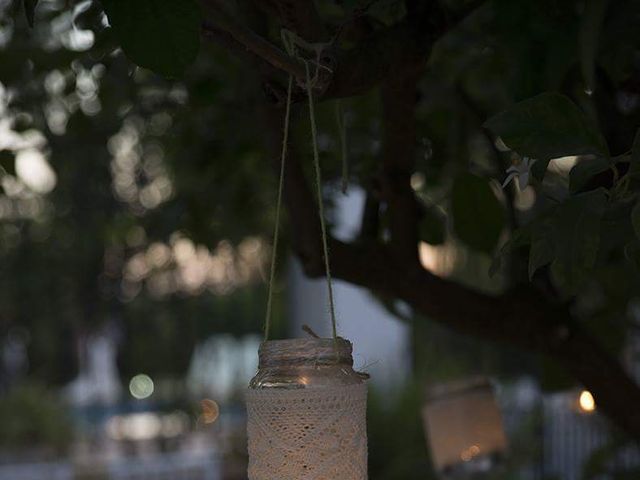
column 210, row 410
column 141, row 386
column 34, row 170
column 586, row 402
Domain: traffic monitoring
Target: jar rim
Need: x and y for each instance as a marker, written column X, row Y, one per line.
column 303, row 350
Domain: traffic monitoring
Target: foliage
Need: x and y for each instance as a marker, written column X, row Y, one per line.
column 139, row 164
column 477, row 214
column 608, row 460
column 547, row 126
column 433, row 226
column 397, row 446
column 33, row 417
column 161, row 35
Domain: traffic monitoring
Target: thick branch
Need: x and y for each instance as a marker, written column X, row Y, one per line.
column 224, row 39
column 252, row 42
column 300, row 17
column 399, row 95
column 522, row 319
column 386, row 53
column 393, row 50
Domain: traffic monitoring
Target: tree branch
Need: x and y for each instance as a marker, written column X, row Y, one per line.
column 520, row 318
column 390, row 50
column 356, row 70
column 225, row 40
column 471, row 7
column 387, row 52
column 399, row 95
column 300, row 17
column 370, row 224
column 252, row 42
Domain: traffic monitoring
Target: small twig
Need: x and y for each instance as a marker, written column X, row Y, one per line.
column 467, row 10
column 357, row 13
column 307, row 329
column 370, row 223
column 342, row 133
column 256, row 44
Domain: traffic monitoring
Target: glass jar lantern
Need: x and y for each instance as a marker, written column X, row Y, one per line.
column 464, row 427
column 306, row 411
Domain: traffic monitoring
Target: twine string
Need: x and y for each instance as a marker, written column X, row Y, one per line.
column 291, row 41
column 323, row 227
column 342, row 132
column 276, row 230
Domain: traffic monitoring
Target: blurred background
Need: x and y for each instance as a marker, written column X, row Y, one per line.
column 135, row 230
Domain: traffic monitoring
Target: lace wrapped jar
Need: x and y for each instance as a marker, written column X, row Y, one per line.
column 306, row 412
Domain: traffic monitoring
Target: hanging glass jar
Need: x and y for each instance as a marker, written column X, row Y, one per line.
column 464, row 427
column 306, row 412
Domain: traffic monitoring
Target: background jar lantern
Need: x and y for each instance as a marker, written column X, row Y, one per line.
column 464, row 428
column 306, row 411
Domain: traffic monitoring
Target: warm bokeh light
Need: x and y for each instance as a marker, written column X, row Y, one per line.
column 141, row 386
column 587, row 402
column 438, row 259
column 563, row 165
column 469, row 453
column 147, row 425
column 34, row 170
column 184, row 266
column 210, row 410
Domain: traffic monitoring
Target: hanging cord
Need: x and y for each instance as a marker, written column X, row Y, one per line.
column 342, row 132
column 290, row 41
column 323, row 227
column 276, row 230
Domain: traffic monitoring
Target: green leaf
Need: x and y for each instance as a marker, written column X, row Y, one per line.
column 635, row 219
column 585, row 170
column 592, row 20
column 547, row 126
column 496, row 264
column 576, row 237
column 162, row 35
column 30, row 11
column 7, row 161
column 351, row 4
column 432, row 226
column 634, row 167
column 554, row 379
column 632, row 254
column 519, row 238
column 542, row 251
column 616, row 230
column 478, row 216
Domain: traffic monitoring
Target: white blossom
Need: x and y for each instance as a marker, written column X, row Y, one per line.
column 521, row 171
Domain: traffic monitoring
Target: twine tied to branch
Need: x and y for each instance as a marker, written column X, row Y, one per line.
column 293, row 45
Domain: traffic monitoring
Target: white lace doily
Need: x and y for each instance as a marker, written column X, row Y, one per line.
column 308, row 434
